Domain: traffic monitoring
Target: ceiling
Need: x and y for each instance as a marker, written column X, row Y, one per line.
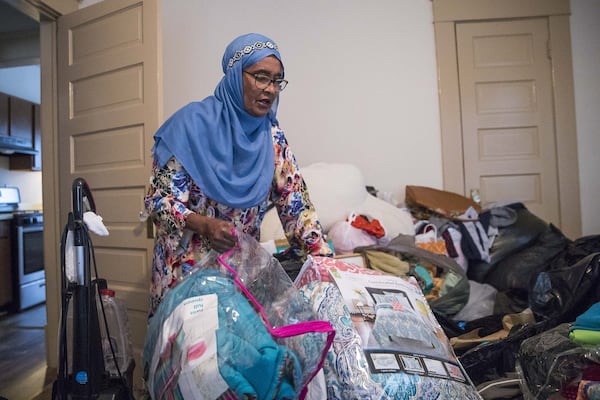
column 12, row 20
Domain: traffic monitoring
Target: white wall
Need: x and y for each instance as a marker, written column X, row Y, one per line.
column 363, row 81
column 362, row 75
column 23, row 82
column 585, row 31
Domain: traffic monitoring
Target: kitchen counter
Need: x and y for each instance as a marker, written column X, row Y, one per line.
column 6, row 216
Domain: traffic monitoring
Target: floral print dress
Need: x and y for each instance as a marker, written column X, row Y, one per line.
column 173, row 195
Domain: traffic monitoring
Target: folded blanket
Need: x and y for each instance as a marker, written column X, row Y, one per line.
column 584, row 336
column 589, row 320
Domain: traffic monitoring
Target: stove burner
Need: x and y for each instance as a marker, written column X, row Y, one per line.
column 28, row 217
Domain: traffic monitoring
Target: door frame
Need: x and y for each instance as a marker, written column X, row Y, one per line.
column 50, row 181
column 46, row 12
column 446, row 14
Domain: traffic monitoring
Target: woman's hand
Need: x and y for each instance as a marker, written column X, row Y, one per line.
column 219, row 232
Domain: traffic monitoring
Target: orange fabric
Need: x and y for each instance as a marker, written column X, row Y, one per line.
column 372, row 227
column 439, row 246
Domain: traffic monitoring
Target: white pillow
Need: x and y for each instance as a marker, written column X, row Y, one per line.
column 395, row 220
column 271, row 228
column 337, row 189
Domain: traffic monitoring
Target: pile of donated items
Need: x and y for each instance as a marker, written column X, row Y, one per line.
column 370, row 323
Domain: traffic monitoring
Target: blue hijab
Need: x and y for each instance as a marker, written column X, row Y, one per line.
column 227, row 151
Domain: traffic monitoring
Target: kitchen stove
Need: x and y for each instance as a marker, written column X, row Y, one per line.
column 28, row 217
column 27, row 250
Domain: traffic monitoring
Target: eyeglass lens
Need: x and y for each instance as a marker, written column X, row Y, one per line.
column 263, row 81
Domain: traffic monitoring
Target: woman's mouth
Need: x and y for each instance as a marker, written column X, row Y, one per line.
column 264, row 103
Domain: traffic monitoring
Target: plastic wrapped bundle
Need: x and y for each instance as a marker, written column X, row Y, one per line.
column 551, row 363
column 388, row 344
column 287, row 314
column 234, row 328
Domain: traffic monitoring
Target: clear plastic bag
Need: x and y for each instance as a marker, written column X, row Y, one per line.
column 235, row 327
column 287, row 315
column 482, row 298
column 388, row 344
column 551, row 363
column 346, row 238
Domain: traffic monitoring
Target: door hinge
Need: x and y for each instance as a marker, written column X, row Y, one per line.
column 548, row 50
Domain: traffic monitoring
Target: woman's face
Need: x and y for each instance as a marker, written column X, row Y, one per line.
column 258, row 102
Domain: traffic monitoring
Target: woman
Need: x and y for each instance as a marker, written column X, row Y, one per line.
column 218, row 163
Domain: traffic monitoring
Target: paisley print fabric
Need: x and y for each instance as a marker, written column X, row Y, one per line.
column 173, row 195
column 423, row 365
column 346, row 368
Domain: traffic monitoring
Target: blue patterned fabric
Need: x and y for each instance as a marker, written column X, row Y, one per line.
column 346, row 368
column 351, row 371
column 400, row 329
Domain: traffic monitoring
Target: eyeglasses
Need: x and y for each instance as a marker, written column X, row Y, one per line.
column 263, row 81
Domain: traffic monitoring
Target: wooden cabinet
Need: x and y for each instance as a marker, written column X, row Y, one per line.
column 6, row 292
column 21, row 120
column 4, row 114
column 28, row 161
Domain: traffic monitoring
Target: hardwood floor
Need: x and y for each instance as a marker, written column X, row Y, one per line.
column 23, row 371
column 24, row 374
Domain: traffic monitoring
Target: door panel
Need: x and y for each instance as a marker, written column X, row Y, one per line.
column 108, row 112
column 507, row 117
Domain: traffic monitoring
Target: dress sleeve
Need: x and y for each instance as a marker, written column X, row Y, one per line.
column 167, row 198
column 291, row 198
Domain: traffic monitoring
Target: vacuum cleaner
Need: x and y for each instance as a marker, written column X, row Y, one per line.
column 83, row 374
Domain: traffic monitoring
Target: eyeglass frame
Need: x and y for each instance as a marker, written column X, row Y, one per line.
column 276, row 82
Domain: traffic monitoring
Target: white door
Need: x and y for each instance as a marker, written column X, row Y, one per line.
column 507, row 114
column 107, row 114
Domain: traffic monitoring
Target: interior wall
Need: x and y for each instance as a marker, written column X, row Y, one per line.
column 362, row 75
column 23, row 82
column 585, row 29
column 363, row 81
column 28, row 182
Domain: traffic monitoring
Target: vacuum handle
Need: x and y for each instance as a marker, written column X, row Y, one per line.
column 81, row 192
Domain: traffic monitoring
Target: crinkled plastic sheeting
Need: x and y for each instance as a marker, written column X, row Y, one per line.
column 393, row 348
column 550, row 361
column 207, row 341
